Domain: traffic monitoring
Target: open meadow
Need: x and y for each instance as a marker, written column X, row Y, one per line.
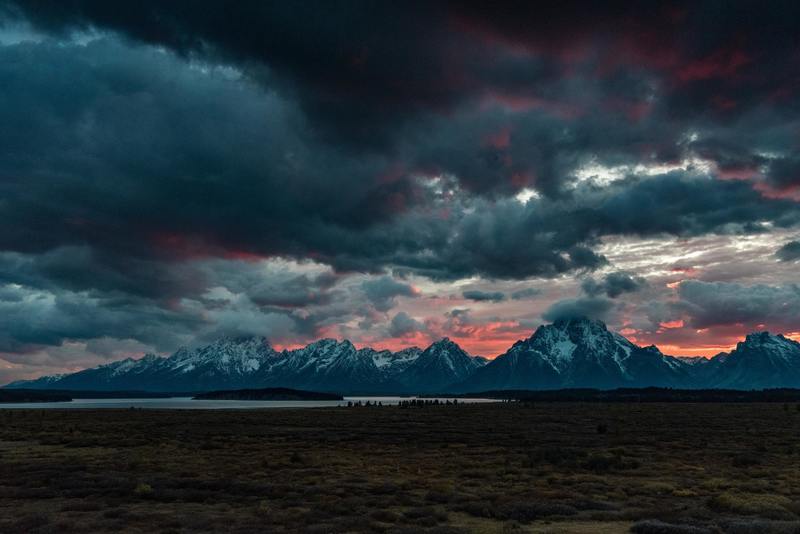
column 548, row 467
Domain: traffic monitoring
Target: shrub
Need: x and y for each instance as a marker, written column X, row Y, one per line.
column 759, row 526
column 511, row 526
column 476, row 509
column 264, row 508
column 114, row 513
column 143, row 490
column 773, row 506
column 553, row 456
column 601, row 463
column 426, row 516
column 659, row 488
column 746, row 459
column 385, row 516
column 439, row 497
column 28, row 523
column 526, row 512
column 297, row 458
column 654, row 526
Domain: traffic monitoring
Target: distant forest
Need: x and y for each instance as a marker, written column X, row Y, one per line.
column 646, row 395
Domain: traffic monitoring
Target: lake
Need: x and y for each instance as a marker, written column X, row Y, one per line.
column 186, row 403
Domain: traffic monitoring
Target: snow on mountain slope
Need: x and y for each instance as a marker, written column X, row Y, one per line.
column 576, row 353
column 437, row 367
column 227, row 362
column 331, row 365
column 241, row 356
column 392, row 363
column 568, row 353
column 762, row 360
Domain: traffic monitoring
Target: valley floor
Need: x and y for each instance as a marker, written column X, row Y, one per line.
column 588, row 468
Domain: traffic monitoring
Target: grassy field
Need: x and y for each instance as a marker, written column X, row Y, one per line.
column 591, row 468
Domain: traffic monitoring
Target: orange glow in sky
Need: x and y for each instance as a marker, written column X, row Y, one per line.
column 495, row 338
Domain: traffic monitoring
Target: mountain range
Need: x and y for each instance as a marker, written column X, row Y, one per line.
column 570, row 353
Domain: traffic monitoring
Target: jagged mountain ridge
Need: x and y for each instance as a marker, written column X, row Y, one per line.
column 250, row 362
column 566, row 354
column 761, row 361
column 578, row 353
column 437, row 365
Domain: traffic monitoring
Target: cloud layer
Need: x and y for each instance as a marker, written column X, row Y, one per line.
column 391, row 173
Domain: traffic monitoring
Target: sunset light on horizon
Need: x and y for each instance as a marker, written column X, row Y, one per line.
column 168, row 178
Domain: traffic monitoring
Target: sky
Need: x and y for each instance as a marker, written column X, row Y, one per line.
column 393, row 173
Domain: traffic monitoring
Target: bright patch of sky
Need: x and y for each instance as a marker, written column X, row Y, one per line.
column 600, row 174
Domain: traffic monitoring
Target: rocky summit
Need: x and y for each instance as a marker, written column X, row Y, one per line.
column 570, row 353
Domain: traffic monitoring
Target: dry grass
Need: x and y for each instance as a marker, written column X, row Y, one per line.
column 502, row 468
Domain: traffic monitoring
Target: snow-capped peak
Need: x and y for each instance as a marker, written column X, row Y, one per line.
column 241, row 343
column 447, row 354
column 584, row 325
column 239, row 355
column 388, row 360
column 327, row 344
column 567, row 353
column 445, row 345
column 559, row 342
column 770, row 344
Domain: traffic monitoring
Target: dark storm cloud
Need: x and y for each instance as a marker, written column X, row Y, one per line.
column 107, row 150
column 591, row 307
column 82, row 268
column 484, row 296
column 403, row 324
column 147, row 167
column 598, row 303
column 686, row 206
column 789, row 252
column 710, row 304
column 526, row 293
column 342, row 52
column 31, row 320
column 276, row 286
column 351, row 65
column 116, row 135
column 208, row 184
column 784, row 172
column 296, row 292
column 546, row 238
column 120, row 161
column 618, row 81
column 382, row 292
column 613, row 284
